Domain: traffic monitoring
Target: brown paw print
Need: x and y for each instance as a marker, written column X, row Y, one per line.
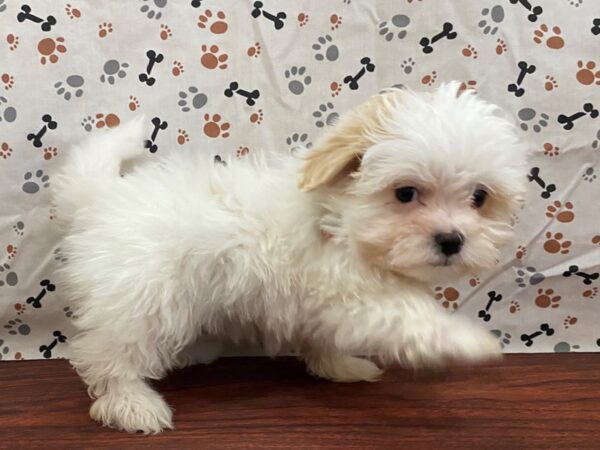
column 165, row 32
column 550, row 83
column 550, row 150
column 211, row 58
column 7, row 80
column 521, row 252
column 134, row 104
column 50, row 152
column 448, row 295
column 514, row 307
column 302, row 19
column 253, row 51
column 242, row 151
column 213, row 127
column 586, row 75
column 569, row 321
column 590, row 293
column 11, row 251
column 218, row 25
column 49, row 48
column 471, row 84
column 335, row 21
column 469, row 51
column 256, row 117
column 5, row 150
column 501, row 47
column 335, row 88
column 19, row 356
column 555, row 244
column 104, row 29
column 474, row 281
column 20, row 308
column 554, row 42
column 109, row 120
column 546, row 299
column 73, row 13
column 177, row 68
column 12, row 41
column 429, row 79
column 565, row 216
column 182, row 137
column 596, row 239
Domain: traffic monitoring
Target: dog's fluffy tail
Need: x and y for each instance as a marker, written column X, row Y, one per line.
column 90, row 165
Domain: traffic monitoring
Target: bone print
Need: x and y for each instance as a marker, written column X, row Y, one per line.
column 153, row 58
column 524, row 69
column 568, row 122
column 158, row 125
column 36, row 301
column 219, row 160
column 49, row 124
column 234, row 88
column 447, row 32
column 25, row 14
column 534, row 11
column 547, row 190
column 485, row 313
column 595, row 26
column 196, row 3
column 278, row 20
column 544, row 329
column 352, row 80
column 587, row 277
column 46, row 350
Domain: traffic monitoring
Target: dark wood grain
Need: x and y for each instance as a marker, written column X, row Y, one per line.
column 527, row 401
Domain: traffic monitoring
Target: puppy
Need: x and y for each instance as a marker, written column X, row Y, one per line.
column 329, row 255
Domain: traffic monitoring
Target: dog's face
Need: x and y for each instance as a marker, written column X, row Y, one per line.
column 427, row 184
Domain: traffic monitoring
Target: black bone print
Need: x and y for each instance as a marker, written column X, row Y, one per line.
column 36, row 301
column 568, row 122
column 278, row 19
column 524, row 69
column 251, row 96
column 25, row 14
column 153, row 58
column 595, row 26
column 485, row 313
column 447, row 32
column 587, row 277
column 352, row 80
column 196, row 3
column 49, row 124
column 219, row 160
column 534, row 11
column 544, row 329
column 547, row 190
column 158, row 125
column 46, row 350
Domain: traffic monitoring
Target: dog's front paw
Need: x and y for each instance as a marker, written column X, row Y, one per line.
column 471, row 344
column 343, row 368
column 134, row 408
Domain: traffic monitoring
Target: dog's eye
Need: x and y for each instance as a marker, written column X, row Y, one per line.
column 479, row 197
column 406, row 194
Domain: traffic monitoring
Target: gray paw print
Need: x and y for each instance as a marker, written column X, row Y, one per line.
column 398, row 23
column 297, row 79
column 298, row 141
column 492, row 16
column 325, row 115
column 589, row 175
column 73, row 82
column 326, row 49
column 528, row 114
column 503, row 337
column 8, row 113
column 528, row 276
column 32, row 184
column 17, row 326
column 10, row 277
column 2, row 6
column 596, row 143
column 88, row 123
column 3, row 349
column 19, row 228
column 407, row 65
column 148, row 8
column 192, row 96
column 113, row 68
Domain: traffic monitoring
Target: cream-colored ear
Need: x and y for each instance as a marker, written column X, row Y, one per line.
column 339, row 152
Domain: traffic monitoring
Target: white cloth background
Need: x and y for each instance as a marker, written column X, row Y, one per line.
column 81, row 72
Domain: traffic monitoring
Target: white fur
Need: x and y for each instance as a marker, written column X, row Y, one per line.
column 180, row 248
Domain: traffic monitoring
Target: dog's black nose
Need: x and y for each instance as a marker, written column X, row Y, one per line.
column 449, row 243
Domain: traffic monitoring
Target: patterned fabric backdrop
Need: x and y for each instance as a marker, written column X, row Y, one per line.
column 233, row 77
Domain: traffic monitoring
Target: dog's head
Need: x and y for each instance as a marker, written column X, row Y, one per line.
column 426, row 184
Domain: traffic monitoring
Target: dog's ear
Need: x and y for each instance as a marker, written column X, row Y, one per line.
column 340, row 151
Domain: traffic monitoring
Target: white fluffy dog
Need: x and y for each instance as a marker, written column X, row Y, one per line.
column 328, row 255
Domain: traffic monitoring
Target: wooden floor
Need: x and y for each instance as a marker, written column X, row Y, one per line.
column 527, row 401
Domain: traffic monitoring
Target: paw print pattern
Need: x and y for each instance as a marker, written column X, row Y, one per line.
column 555, row 41
column 514, row 307
column 565, row 216
column 297, row 141
column 177, row 68
column 550, row 83
column 16, row 327
column 589, row 175
column 395, row 27
column 7, row 113
column 165, row 32
column 50, row 49
column 550, row 150
column 113, row 69
column 469, row 52
column 501, row 47
column 192, row 98
column 429, row 79
column 504, row 338
column 256, row 117
column 254, row 51
column 325, row 49
column 5, row 150
column 216, row 24
column 528, row 276
column 590, row 293
column 7, row 80
column 214, row 128
column 521, row 252
column 302, row 19
column 73, row 85
column 4, row 349
column 297, row 79
column 7, row 276
column 12, row 41
column 569, row 321
column 555, row 243
column 407, row 66
column 527, row 115
column 587, row 74
column 153, row 8
column 133, row 104
column 335, row 21
column 491, row 18
column 35, row 182
column 104, row 29
column 212, row 58
column 325, row 115
column 448, row 296
column 547, row 299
